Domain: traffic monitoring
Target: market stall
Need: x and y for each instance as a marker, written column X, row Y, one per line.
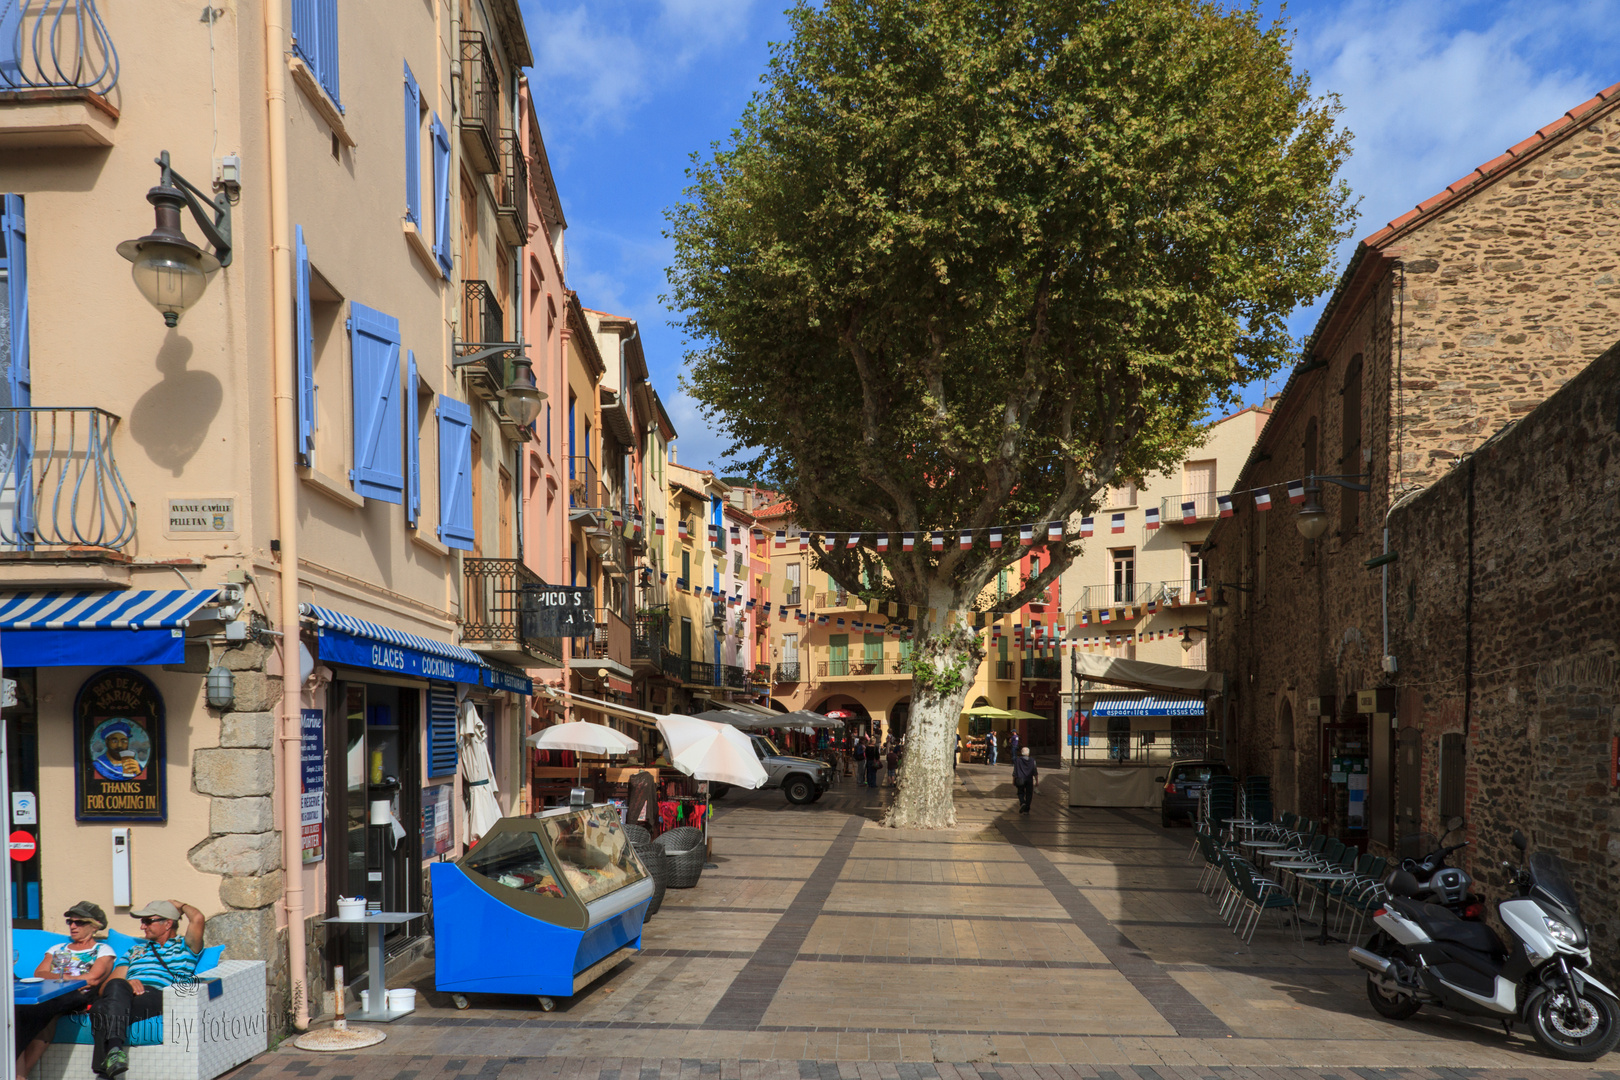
column 543, row 905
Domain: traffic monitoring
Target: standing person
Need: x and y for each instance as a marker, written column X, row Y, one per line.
column 80, row 957
column 860, row 760
column 1012, row 745
column 892, row 759
column 990, row 747
column 874, row 759
column 1024, row 777
column 135, row 990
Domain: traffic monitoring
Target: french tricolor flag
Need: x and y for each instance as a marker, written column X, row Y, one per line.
column 714, row 534
column 1026, row 535
column 658, row 528
column 995, row 539
column 908, row 541
column 937, row 541
column 1086, row 526
column 1105, row 616
column 736, row 535
column 853, row 540
column 1117, row 523
column 1054, row 532
column 1224, row 502
column 1262, row 499
column 1152, row 518
column 681, row 530
column 1189, row 512
column 829, row 541
column 1296, row 491
column 804, row 541
column 781, row 539
column 883, row 541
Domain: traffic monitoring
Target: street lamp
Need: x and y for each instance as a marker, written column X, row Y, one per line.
column 170, row 270
column 1313, row 520
column 523, row 397
column 1220, row 605
column 599, row 540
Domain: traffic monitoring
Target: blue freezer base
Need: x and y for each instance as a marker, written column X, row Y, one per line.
column 483, row 946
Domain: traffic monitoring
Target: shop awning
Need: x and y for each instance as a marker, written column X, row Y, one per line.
column 584, row 701
column 1146, row 675
column 1146, row 705
column 345, row 639
column 58, row 628
column 740, row 706
column 499, row 676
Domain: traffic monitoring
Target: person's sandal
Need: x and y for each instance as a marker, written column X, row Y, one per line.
column 116, row 1063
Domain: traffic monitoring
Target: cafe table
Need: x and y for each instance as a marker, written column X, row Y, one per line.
column 376, row 924
column 1324, row 876
column 25, row 992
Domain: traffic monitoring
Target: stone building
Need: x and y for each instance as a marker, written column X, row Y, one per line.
column 1458, row 316
column 1504, row 602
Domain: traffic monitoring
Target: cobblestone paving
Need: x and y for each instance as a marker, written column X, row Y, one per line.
column 1066, row 944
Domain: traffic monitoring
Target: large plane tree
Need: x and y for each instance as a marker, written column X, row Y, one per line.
column 966, row 263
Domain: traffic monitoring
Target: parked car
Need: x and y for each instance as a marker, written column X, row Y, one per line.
column 1182, row 786
column 802, row 780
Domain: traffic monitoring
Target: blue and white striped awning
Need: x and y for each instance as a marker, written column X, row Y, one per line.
column 74, row 628
column 345, row 639
column 1147, row 705
column 132, row 609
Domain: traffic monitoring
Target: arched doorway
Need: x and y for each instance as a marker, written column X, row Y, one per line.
column 899, row 717
column 1285, row 780
column 857, row 720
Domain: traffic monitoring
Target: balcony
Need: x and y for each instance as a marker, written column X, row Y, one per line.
column 787, row 672
column 760, row 677
column 61, row 494
column 490, row 617
column 675, row 666
column 510, row 184
column 836, row 599
column 862, row 667
column 647, row 637
column 1120, row 593
column 1005, row 670
column 792, row 598
column 480, row 103
column 1205, row 506
column 733, row 677
column 609, row 645
column 700, row 673
column 1043, row 667
column 58, row 68
column 585, row 490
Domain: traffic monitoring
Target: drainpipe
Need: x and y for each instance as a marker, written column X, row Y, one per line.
column 281, row 326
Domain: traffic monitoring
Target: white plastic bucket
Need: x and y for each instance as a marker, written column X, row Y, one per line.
column 351, row 907
column 402, row 1001
column 365, row 1001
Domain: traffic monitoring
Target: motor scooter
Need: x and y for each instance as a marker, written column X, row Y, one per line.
column 1423, row 954
column 1448, row 886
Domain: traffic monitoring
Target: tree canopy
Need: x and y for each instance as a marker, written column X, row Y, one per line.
column 966, row 262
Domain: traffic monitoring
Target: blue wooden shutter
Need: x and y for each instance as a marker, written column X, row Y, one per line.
column 413, row 446
column 379, row 471
column 11, row 46
column 304, row 349
column 441, row 194
column 455, row 474
column 413, row 149
column 306, row 33
column 19, row 377
column 441, row 729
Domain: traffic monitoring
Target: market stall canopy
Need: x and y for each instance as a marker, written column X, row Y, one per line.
column 1145, row 675
column 583, row 737
column 1020, row 714
column 988, row 710
column 1146, row 705
column 611, row 708
column 738, row 706
column 744, row 720
column 806, row 718
column 705, row 750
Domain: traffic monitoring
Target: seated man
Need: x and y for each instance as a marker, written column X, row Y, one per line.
column 135, row 992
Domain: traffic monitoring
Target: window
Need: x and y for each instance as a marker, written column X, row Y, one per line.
column 413, row 442
column 790, row 648
column 318, row 354
column 1124, row 560
column 441, row 194
column 315, row 39
column 1198, row 488
column 1122, row 496
column 455, row 476
column 1195, row 568
column 1351, row 464
column 686, row 565
column 379, row 469
column 791, row 599
column 413, row 149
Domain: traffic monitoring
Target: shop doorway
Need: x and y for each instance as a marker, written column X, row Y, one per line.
column 374, row 744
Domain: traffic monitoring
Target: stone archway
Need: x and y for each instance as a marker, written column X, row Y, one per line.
column 1285, row 779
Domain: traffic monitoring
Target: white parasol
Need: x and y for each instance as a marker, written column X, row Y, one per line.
column 477, row 772
column 584, row 738
column 705, row 750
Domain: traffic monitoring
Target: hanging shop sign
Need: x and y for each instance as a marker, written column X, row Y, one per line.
column 118, row 729
column 312, row 800
column 558, row 611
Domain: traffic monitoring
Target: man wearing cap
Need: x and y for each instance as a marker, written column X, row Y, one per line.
column 135, row 991
column 80, row 957
column 116, row 762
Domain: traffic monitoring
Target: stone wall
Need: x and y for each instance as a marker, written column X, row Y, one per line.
column 1508, row 629
column 244, row 846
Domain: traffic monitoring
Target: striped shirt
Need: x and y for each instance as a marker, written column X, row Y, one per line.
column 160, row 965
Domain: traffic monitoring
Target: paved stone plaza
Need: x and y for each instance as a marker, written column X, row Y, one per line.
column 1066, row 943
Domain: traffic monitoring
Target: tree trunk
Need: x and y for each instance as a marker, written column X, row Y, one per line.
column 945, row 661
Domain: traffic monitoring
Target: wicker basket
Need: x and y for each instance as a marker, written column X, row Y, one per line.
column 685, row 849
column 657, row 863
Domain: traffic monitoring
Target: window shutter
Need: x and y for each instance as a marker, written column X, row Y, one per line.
column 315, row 38
column 441, row 194
column 306, row 33
column 413, row 446
column 455, row 474
column 19, row 378
column 374, row 348
column 11, row 46
column 304, row 348
column 413, row 149
column 441, row 725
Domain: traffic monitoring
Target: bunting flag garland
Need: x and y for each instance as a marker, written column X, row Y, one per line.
column 714, row 535
column 1296, row 491
column 1086, row 525
column 682, row 531
column 804, row 541
column 1189, row 512
column 1054, row 532
column 736, row 535
column 995, row 539
column 854, row 540
column 1117, row 523
column 966, row 541
column 781, row 539
column 658, row 527
column 1026, row 535
column 883, row 541
column 1152, row 518
column 1262, row 499
column 1224, row 502
column 663, row 576
column 907, row 541
column 938, row 541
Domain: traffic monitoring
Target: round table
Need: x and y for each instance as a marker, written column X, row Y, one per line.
column 1325, row 876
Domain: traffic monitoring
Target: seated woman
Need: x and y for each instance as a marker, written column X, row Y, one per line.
column 81, row 957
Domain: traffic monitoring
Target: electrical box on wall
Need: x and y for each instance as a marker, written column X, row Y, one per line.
column 120, row 869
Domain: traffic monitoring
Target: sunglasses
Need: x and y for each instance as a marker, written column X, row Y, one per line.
column 150, row 919
column 81, row 922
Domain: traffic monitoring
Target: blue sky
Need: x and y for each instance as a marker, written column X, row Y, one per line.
column 626, row 90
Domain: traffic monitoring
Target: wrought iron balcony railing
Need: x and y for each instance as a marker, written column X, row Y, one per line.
column 843, row 669
column 585, row 491
column 492, row 602
column 480, row 103
column 701, row 672
column 1204, row 505
column 791, row 599
column 1005, row 669
column 787, row 672
column 760, row 676
column 733, row 676
column 58, row 45
column 482, row 320
column 1042, row 667
column 59, row 481
column 511, row 187
column 675, row 666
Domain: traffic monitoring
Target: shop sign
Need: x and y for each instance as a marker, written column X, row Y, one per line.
column 337, row 647
column 24, row 808
column 557, row 611
column 437, row 819
column 496, row 679
column 313, row 798
column 118, row 748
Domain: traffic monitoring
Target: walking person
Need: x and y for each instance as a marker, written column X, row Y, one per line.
column 1013, row 745
column 990, row 747
column 873, row 760
column 1024, row 777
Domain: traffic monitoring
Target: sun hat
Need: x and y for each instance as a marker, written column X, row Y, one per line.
column 161, row 908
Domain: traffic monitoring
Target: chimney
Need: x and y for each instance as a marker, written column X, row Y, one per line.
column 672, row 453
